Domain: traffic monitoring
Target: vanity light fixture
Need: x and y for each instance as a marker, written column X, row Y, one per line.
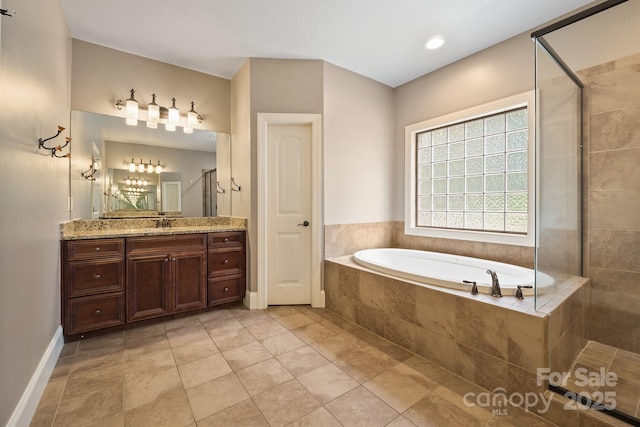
column 57, row 147
column 137, row 181
column 132, row 110
column 153, row 113
column 143, row 167
column 170, row 117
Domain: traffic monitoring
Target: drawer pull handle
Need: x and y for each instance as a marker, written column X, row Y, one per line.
column 226, row 261
column 97, row 248
column 226, row 239
column 226, row 289
column 97, row 312
column 97, row 276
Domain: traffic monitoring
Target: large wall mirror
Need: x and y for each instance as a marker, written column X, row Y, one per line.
column 193, row 180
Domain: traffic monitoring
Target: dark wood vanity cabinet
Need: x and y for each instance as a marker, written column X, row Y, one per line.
column 93, row 284
column 226, row 265
column 110, row 282
column 165, row 274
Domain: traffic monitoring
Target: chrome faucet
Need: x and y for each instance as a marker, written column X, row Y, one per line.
column 495, row 284
column 163, row 222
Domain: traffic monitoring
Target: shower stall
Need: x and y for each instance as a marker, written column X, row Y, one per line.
column 588, row 200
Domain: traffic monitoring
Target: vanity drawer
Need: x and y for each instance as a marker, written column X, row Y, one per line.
column 95, row 312
column 94, row 248
column 225, row 290
column 226, row 239
column 222, row 262
column 94, row 276
column 170, row 244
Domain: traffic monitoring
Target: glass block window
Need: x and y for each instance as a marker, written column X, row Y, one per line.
column 473, row 175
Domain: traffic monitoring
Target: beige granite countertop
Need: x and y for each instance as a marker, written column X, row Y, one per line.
column 103, row 228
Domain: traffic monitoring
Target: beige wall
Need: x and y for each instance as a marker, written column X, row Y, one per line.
column 35, row 73
column 102, row 75
column 358, row 148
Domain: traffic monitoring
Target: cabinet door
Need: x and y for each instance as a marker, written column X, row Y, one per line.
column 189, row 281
column 148, row 286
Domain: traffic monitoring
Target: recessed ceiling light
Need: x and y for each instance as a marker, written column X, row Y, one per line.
column 435, row 42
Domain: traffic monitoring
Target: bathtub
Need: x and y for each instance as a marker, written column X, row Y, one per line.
column 449, row 271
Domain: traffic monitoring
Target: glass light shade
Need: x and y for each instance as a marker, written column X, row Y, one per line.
column 187, row 130
column 152, row 125
column 159, row 167
column 170, row 127
column 153, row 111
column 128, row 181
column 141, row 167
column 149, row 167
column 132, row 110
column 132, row 166
column 174, row 113
column 192, row 118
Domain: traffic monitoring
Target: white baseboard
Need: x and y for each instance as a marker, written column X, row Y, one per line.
column 320, row 301
column 23, row 413
column 251, row 300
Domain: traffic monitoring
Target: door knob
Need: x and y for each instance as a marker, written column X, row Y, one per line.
column 304, row 224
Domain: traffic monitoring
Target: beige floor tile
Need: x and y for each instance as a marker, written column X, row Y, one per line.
column 148, row 386
column 318, row 418
column 294, row 321
column 92, row 380
column 285, row 403
column 203, row 370
column 62, row 368
column 313, row 332
column 282, row 343
column 263, row 376
column 433, row 410
column 110, row 421
column 152, row 361
column 398, row 390
column 254, row 317
column 327, row 382
column 183, row 323
column 222, row 327
column 48, row 405
column 364, row 363
column 336, row 346
column 243, row 414
column 315, row 314
column 455, row 388
column 169, row 409
column 361, row 407
column 518, row 417
column 179, row 337
column 214, row 315
column 247, row 355
column 278, row 311
column 137, row 345
column 214, row 396
column 302, row 360
column 233, row 338
column 429, row 374
column 195, row 350
column 88, row 407
column 90, row 359
column 265, row 328
column 111, row 341
column 401, row 422
column 69, row 349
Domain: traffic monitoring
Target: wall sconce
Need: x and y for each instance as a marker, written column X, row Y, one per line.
column 57, row 147
column 158, row 114
column 7, row 12
column 90, row 173
column 145, row 167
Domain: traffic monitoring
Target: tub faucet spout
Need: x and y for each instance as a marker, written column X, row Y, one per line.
column 495, row 284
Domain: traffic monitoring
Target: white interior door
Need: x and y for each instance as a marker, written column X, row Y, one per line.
column 288, row 203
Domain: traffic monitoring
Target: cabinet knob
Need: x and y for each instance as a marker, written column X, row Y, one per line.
column 226, row 289
column 174, row 259
column 97, row 276
column 226, row 239
column 97, row 248
column 226, row 261
column 166, row 260
column 98, row 311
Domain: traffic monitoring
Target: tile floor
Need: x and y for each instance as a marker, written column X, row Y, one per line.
column 625, row 364
column 294, row 366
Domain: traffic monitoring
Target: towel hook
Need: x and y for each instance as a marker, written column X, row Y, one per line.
column 234, row 186
column 220, row 190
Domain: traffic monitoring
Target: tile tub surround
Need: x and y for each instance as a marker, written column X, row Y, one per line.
column 102, row 228
column 612, row 184
column 346, row 239
column 491, row 342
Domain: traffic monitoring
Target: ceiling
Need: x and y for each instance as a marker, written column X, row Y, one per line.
column 380, row 39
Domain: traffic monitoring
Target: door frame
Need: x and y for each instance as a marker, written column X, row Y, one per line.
column 317, row 220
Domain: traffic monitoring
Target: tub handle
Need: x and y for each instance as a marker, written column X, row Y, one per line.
column 519, row 291
column 474, row 286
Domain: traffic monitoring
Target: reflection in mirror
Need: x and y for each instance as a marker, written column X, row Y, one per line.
column 199, row 163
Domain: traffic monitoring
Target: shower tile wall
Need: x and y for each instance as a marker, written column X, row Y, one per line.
column 613, row 189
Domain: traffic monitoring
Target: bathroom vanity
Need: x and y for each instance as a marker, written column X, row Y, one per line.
column 114, row 276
